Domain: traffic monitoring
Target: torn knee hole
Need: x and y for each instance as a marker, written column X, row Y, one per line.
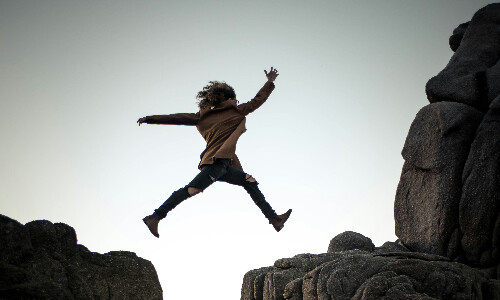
column 193, row 191
column 249, row 178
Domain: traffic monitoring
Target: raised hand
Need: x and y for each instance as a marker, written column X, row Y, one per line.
column 271, row 76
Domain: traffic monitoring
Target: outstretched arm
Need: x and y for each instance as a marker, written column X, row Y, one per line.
column 173, row 119
column 262, row 95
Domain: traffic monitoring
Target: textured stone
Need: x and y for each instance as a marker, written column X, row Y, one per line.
column 429, row 191
column 415, row 255
column 253, row 283
column 350, row 240
column 42, row 260
column 493, row 81
column 390, row 247
column 15, row 243
column 491, row 289
column 293, row 290
column 467, row 78
column 361, row 275
column 43, row 237
column 389, row 285
column 277, row 282
column 457, row 36
column 480, row 202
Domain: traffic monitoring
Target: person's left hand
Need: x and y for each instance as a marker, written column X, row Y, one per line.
column 271, row 76
column 141, row 120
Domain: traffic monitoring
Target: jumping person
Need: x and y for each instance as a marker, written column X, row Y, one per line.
column 220, row 121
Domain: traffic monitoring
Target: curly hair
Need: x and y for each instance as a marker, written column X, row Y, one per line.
column 214, row 93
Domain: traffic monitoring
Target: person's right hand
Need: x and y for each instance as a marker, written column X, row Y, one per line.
column 141, row 120
column 271, row 76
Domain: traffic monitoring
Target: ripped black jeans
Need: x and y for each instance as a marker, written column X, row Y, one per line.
column 220, row 170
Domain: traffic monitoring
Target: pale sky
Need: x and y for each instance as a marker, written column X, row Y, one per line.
column 76, row 75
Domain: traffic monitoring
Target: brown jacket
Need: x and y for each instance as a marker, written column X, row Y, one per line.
column 220, row 126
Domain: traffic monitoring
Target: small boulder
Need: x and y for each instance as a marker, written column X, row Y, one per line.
column 350, row 240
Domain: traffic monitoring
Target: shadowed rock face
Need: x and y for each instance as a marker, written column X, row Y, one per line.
column 472, row 75
column 457, row 36
column 42, row 260
column 447, row 206
column 480, row 202
column 428, row 195
column 448, row 198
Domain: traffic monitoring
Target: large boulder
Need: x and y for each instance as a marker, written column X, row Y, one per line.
column 428, row 195
column 480, row 203
column 471, row 76
column 42, row 260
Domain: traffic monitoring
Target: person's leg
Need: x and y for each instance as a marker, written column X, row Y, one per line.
column 237, row 177
column 208, row 175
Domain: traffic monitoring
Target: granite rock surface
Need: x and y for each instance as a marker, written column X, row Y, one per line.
column 386, row 272
column 42, row 260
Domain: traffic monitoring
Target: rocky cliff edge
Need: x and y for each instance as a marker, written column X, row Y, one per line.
column 42, row 260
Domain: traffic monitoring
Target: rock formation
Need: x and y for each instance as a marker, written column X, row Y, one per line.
column 428, row 195
column 42, row 260
column 448, row 199
column 480, row 202
column 471, row 76
column 379, row 274
column 447, row 206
